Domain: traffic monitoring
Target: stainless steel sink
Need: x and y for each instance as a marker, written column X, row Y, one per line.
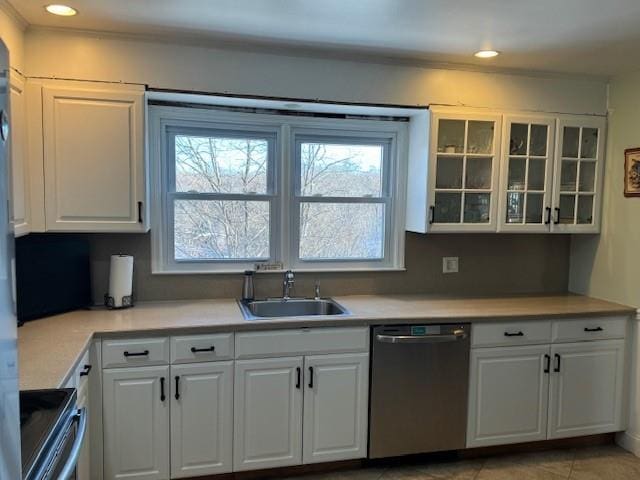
column 293, row 307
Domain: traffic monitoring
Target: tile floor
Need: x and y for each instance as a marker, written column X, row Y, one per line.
column 594, row 463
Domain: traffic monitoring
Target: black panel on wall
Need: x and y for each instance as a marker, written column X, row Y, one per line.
column 52, row 275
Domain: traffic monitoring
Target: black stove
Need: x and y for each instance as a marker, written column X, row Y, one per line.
column 42, row 415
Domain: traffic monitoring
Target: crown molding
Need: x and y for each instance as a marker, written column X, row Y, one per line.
column 14, row 14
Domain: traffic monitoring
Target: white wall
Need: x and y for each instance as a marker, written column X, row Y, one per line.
column 608, row 266
column 12, row 34
column 168, row 65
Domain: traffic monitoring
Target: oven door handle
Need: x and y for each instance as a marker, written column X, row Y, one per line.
column 74, row 454
column 449, row 337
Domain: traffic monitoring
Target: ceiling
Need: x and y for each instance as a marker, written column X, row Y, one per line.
column 595, row 37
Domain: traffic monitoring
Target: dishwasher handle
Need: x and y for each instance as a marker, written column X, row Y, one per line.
column 449, row 337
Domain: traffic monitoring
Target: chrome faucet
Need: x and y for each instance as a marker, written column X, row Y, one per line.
column 287, row 285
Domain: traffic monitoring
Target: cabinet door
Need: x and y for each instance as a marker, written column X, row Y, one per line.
column 93, row 160
column 586, row 388
column 19, row 161
column 201, row 419
column 267, row 413
column 464, row 172
column 508, row 395
column 335, row 407
column 527, row 174
column 578, row 175
column 84, row 459
column 136, row 423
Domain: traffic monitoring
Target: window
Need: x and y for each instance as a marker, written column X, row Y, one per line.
column 232, row 190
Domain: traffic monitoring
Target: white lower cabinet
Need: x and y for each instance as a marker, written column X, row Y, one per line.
column 509, row 395
column 201, row 419
column 538, row 392
column 136, row 423
column 268, row 413
column 335, row 407
column 586, row 388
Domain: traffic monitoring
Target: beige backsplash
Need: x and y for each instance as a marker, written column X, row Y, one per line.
column 490, row 264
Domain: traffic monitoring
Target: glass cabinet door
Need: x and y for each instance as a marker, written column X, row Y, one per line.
column 465, row 167
column 527, row 172
column 578, row 169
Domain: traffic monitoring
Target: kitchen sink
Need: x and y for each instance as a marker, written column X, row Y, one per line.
column 293, row 307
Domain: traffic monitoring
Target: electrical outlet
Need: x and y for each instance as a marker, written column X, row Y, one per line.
column 449, row 264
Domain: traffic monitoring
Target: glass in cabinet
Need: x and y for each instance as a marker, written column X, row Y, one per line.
column 463, row 153
column 579, row 167
column 527, row 171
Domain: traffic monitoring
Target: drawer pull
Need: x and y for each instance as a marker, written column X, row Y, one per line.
column 197, row 350
column 518, row 334
column 547, row 363
column 177, row 387
column 136, row 354
column 310, row 377
column 298, row 377
column 85, row 372
column 596, row 329
column 557, row 367
column 162, row 395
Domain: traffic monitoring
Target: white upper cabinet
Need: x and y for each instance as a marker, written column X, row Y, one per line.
column 463, row 172
column 505, row 172
column 94, row 165
column 578, row 177
column 527, row 174
column 19, row 162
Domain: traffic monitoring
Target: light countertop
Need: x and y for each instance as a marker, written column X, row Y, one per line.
column 49, row 348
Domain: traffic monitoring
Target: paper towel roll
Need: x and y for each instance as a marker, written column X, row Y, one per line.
column 120, row 278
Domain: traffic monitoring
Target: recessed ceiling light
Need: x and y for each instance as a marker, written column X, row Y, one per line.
column 487, row 54
column 62, row 10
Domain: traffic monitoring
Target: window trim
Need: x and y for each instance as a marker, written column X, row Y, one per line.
column 286, row 129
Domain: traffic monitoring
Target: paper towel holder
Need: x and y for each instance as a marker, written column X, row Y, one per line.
column 109, row 302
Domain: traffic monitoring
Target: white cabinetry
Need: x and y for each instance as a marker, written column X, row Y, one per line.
column 463, row 172
column 136, row 423
column 586, row 388
column 93, row 159
column 21, row 217
column 509, row 395
column 546, row 390
column 201, row 419
column 332, row 385
column 505, row 172
column 335, row 407
column 578, row 175
column 268, row 413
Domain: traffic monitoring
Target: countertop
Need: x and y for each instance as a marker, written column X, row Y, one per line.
column 49, row 348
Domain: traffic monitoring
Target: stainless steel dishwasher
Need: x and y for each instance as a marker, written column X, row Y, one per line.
column 419, row 384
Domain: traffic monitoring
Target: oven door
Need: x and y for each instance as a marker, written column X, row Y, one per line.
column 63, row 464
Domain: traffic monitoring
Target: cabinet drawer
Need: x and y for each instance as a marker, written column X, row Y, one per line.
column 306, row 341
column 596, row 328
column 510, row 333
column 135, row 352
column 201, row 348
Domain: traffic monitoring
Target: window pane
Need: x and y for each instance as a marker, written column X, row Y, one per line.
column 447, row 207
column 478, row 173
column 538, row 140
column 341, row 231
column 480, row 137
column 221, row 229
column 518, row 140
column 570, row 142
column 221, row 165
column 476, row 207
column 451, row 136
column 341, row 170
column 449, row 172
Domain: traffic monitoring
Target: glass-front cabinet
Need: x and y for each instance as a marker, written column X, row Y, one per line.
column 526, row 191
column 578, row 175
column 464, row 161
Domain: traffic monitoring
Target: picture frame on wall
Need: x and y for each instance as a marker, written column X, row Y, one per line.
column 632, row 172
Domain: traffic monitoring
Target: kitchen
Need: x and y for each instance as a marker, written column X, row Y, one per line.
column 467, row 270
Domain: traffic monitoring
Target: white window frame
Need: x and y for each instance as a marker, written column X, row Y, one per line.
column 282, row 176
